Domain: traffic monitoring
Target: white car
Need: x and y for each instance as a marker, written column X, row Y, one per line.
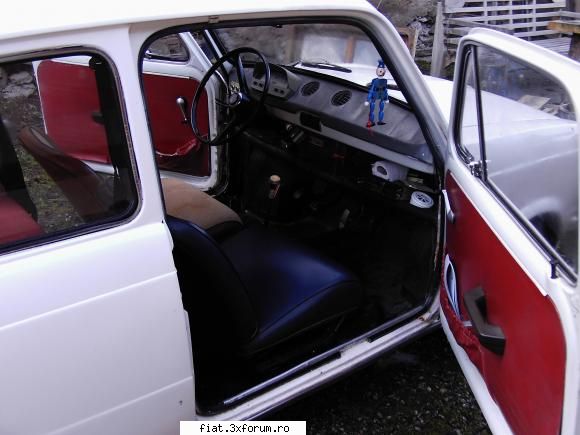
column 201, row 219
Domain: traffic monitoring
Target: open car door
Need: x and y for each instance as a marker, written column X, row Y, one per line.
column 509, row 295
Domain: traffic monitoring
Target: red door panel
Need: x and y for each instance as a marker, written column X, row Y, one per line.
column 527, row 381
column 176, row 146
column 70, row 106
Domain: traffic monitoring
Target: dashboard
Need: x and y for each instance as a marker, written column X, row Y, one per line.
column 335, row 109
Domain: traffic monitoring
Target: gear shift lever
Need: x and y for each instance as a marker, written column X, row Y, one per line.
column 273, row 189
column 274, row 183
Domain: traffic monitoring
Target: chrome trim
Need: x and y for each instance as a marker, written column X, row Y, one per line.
column 329, row 354
column 476, row 169
column 448, row 210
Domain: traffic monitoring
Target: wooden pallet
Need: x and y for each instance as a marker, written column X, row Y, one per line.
column 526, row 19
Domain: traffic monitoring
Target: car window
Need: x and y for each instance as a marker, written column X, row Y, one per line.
column 169, row 48
column 323, row 47
column 50, row 184
column 469, row 125
column 530, row 141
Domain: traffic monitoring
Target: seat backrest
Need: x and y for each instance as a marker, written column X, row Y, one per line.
column 85, row 189
column 212, row 291
column 11, row 176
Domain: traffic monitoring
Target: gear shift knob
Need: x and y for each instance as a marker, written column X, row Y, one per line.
column 274, row 183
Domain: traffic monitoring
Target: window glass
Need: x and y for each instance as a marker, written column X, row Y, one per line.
column 292, row 44
column 64, row 159
column 530, row 135
column 469, row 135
column 169, row 47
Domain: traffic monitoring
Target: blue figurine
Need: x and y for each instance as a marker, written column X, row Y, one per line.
column 378, row 91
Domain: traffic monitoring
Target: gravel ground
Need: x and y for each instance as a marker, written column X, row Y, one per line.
column 417, row 389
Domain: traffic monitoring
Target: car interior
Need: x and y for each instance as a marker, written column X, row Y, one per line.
column 321, row 231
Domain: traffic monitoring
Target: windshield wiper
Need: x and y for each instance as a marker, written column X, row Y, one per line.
column 322, row 65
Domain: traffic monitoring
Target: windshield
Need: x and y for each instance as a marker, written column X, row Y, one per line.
column 326, row 47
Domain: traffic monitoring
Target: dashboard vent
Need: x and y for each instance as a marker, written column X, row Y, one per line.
column 310, row 88
column 341, row 98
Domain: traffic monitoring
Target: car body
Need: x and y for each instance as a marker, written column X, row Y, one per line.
column 113, row 320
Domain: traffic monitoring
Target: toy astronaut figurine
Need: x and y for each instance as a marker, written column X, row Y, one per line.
column 378, row 91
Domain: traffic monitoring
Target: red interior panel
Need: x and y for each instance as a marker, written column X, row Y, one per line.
column 69, row 98
column 70, row 105
column 527, row 381
column 15, row 223
column 176, row 146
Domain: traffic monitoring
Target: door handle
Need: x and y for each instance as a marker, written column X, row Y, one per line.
column 98, row 118
column 448, row 210
column 490, row 336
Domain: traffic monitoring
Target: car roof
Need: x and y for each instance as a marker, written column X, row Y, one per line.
column 22, row 18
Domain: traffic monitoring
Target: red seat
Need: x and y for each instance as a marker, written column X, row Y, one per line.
column 15, row 222
column 85, row 189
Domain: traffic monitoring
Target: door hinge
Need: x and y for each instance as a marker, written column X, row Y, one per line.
column 476, row 169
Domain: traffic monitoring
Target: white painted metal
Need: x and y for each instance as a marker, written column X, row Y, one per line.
column 135, row 373
column 563, row 293
column 95, row 329
column 92, row 329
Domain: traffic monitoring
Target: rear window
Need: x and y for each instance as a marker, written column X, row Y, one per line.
column 65, row 165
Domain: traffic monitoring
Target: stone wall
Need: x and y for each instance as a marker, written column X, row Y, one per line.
column 419, row 14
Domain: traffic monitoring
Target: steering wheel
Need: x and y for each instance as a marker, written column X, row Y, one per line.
column 236, row 100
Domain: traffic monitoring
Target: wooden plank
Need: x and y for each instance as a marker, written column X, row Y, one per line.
column 512, row 17
column 410, row 36
column 506, row 28
column 501, row 8
column 535, row 33
column 553, row 43
column 561, row 3
column 459, row 31
column 461, row 23
column 451, row 41
column 568, row 14
column 565, row 26
column 439, row 52
column 563, row 47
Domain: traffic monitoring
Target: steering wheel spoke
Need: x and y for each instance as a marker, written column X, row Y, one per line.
column 233, row 125
column 242, row 76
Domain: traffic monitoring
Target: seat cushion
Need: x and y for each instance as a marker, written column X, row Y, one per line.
column 291, row 288
column 184, row 201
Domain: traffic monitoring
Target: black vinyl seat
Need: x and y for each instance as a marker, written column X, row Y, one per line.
column 257, row 289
